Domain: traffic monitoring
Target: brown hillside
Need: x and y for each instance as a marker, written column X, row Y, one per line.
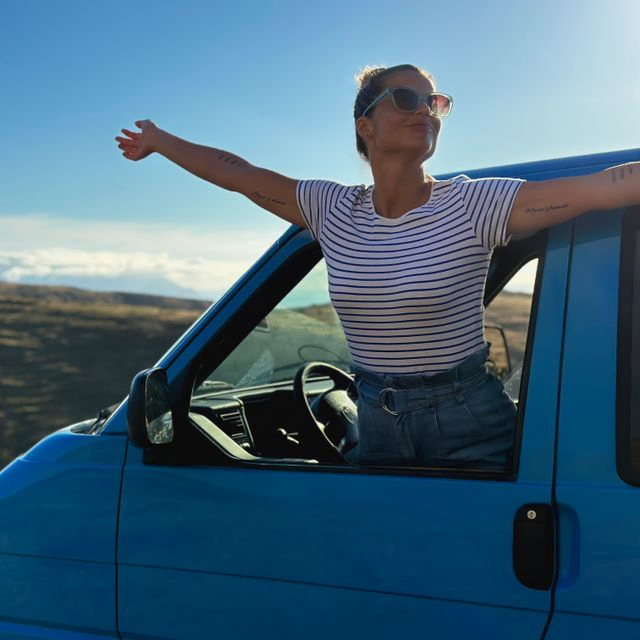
column 66, row 353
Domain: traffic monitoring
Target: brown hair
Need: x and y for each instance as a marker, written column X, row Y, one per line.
column 371, row 81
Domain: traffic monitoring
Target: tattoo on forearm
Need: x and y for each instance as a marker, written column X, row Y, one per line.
column 532, row 211
column 260, row 196
column 618, row 173
column 227, row 159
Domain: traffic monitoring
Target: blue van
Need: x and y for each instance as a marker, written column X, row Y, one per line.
column 218, row 501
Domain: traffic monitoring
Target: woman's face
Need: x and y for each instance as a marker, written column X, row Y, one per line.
column 388, row 131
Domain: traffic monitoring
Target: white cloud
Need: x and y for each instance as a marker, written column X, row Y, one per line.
column 41, row 248
column 146, row 258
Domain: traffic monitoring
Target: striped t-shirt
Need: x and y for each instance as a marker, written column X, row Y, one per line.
column 409, row 290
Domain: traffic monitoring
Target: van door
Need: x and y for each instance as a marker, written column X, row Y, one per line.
column 321, row 551
column 598, row 475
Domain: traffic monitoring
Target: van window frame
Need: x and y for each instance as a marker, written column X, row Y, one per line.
column 629, row 262
column 505, row 263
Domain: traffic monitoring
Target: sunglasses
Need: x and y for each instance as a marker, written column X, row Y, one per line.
column 407, row 100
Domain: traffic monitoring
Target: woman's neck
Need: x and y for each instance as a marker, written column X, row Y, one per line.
column 399, row 188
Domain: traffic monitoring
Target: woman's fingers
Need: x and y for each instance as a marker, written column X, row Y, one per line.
column 131, row 134
column 128, row 147
column 135, row 145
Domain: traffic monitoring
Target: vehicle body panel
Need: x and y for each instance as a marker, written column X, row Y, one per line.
column 59, row 505
column 379, row 538
column 599, row 512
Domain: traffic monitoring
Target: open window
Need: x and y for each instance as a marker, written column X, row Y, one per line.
column 246, row 388
column 507, row 322
column 303, row 327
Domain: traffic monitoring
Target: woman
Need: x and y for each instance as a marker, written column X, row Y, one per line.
column 407, row 259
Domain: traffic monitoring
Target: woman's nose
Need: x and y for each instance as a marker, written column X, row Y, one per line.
column 423, row 108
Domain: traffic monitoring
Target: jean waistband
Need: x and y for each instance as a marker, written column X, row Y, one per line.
column 464, row 369
column 405, row 392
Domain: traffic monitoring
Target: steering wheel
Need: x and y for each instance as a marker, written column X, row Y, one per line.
column 334, row 406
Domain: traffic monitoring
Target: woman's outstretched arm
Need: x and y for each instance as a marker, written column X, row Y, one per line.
column 550, row 202
column 271, row 191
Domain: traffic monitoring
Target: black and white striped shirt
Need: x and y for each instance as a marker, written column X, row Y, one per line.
column 408, row 290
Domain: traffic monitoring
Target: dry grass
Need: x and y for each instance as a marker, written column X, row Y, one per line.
column 62, row 359
column 65, row 353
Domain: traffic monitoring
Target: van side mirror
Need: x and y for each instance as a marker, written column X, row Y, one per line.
column 149, row 414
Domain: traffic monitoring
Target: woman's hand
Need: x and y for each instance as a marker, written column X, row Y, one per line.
column 138, row 145
column 270, row 190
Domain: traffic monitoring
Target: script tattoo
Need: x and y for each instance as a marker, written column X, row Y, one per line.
column 227, row 159
column 532, row 211
column 620, row 173
column 260, row 196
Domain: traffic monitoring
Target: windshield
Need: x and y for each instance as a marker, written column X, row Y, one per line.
column 303, row 328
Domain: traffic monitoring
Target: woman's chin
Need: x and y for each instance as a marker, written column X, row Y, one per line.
column 428, row 152
column 427, row 147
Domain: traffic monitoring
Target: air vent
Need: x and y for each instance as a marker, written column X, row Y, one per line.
column 232, row 423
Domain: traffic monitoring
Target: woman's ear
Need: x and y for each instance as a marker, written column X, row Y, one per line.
column 364, row 127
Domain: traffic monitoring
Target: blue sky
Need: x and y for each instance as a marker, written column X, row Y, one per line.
column 274, row 83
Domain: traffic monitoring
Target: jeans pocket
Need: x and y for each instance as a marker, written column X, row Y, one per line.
column 491, row 407
column 443, row 432
column 453, row 418
column 377, row 440
column 480, row 427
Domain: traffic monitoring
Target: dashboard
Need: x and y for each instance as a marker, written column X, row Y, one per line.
column 262, row 420
column 229, row 415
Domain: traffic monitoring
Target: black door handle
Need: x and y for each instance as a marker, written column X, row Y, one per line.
column 534, row 546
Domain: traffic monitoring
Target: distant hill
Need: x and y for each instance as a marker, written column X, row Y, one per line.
column 73, row 294
column 65, row 353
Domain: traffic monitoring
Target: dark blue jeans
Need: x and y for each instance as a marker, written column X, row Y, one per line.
column 459, row 418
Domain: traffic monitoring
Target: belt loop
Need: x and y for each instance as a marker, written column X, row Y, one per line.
column 458, row 392
column 431, row 399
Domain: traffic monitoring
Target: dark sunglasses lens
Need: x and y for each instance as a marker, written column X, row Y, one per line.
column 405, row 99
column 440, row 105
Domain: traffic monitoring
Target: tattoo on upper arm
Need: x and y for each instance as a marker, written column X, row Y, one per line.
column 260, row 196
column 618, row 173
column 532, row 211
